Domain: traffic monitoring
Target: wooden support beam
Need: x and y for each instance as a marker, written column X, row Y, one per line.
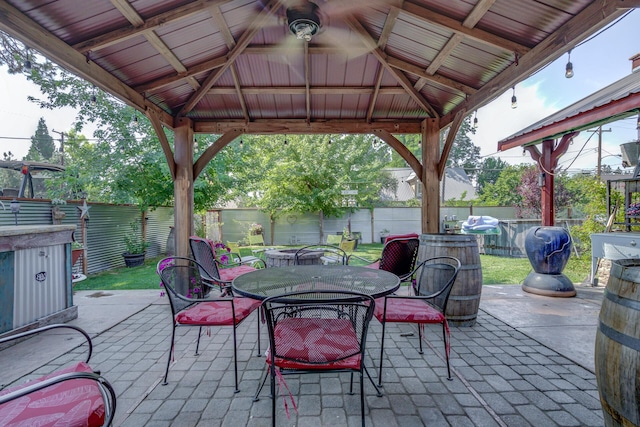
column 401, row 149
column 430, row 182
column 214, row 149
column 451, row 136
column 301, row 127
column 164, row 142
column 183, row 186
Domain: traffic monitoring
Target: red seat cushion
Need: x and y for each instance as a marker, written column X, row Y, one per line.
column 217, row 312
column 407, row 310
column 228, row 274
column 76, row 402
column 402, row 236
column 316, row 344
column 375, row 265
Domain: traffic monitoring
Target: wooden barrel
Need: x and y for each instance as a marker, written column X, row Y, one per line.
column 462, row 309
column 617, row 349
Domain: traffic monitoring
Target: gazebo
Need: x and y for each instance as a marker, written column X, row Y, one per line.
column 234, row 67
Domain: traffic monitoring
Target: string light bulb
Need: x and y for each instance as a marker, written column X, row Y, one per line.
column 514, row 100
column 569, row 68
column 330, row 142
column 94, row 99
column 285, row 142
column 27, row 62
column 475, row 120
column 241, row 143
column 135, row 121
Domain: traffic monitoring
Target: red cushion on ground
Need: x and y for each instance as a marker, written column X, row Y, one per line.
column 217, row 312
column 375, row 265
column 402, row 236
column 228, row 274
column 316, row 344
column 75, row 402
column 408, row 311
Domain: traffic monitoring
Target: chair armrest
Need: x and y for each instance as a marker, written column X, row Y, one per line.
column 48, row 327
column 361, row 259
column 106, row 389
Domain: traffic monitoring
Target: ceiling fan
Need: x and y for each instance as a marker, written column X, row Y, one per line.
column 304, row 20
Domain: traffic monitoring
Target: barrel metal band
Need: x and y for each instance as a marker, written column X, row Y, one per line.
column 625, row 302
column 619, row 337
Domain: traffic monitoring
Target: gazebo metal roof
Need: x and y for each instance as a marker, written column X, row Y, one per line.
column 375, row 64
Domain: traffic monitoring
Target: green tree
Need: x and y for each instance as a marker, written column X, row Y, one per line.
column 490, row 170
column 42, row 146
column 413, row 143
column 501, row 193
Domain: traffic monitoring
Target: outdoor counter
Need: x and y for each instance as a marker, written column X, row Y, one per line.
column 35, row 276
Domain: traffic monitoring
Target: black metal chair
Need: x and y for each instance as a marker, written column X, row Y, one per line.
column 81, row 396
column 316, row 331
column 435, row 278
column 212, row 270
column 185, row 289
column 330, row 254
column 398, row 257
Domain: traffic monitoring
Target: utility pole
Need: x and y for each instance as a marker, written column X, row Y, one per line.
column 62, row 134
column 599, row 130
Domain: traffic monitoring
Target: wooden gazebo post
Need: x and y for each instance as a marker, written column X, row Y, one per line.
column 430, row 181
column 183, row 185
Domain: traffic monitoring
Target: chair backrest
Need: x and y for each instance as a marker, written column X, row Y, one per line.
column 320, row 317
column 436, row 277
column 348, row 245
column 181, row 280
column 399, row 256
column 256, row 240
column 234, row 246
column 204, row 255
column 334, row 239
column 330, row 255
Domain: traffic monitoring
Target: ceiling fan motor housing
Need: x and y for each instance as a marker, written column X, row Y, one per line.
column 304, row 20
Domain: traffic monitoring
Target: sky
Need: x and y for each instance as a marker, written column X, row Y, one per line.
column 597, row 63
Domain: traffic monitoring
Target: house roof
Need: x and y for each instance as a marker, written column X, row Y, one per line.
column 234, row 66
column 618, row 100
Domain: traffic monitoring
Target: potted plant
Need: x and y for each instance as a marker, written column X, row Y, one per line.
column 76, row 251
column 135, row 247
column 384, row 233
column 57, row 214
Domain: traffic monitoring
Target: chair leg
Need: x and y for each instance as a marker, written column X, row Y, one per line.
column 351, row 384
column 261, row 385
column 420, row 338
column 235, row 359
column 258, row 316
column 381, row 355
column 361, row 395
column 173, row 337
column 198, row 342
column 272, row 374
column 447, row 349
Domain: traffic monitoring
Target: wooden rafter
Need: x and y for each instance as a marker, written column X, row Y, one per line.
column 418, row 71
column 150, row 24
column 389, row 23
column 301, row 127
column 242, row 43
column 222, row 26
column 31, row 33
column 376, row 91
column 209, row 65
column 302, row 90
column 382, row 58
column 595, row 16
column 451, row 24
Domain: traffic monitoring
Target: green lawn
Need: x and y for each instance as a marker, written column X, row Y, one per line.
column 495, row 270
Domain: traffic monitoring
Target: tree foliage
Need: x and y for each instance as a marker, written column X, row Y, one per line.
column 42, row 146
column 490, row 171
column 464, row 154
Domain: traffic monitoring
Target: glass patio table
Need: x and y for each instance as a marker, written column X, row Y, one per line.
column 267, row 282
